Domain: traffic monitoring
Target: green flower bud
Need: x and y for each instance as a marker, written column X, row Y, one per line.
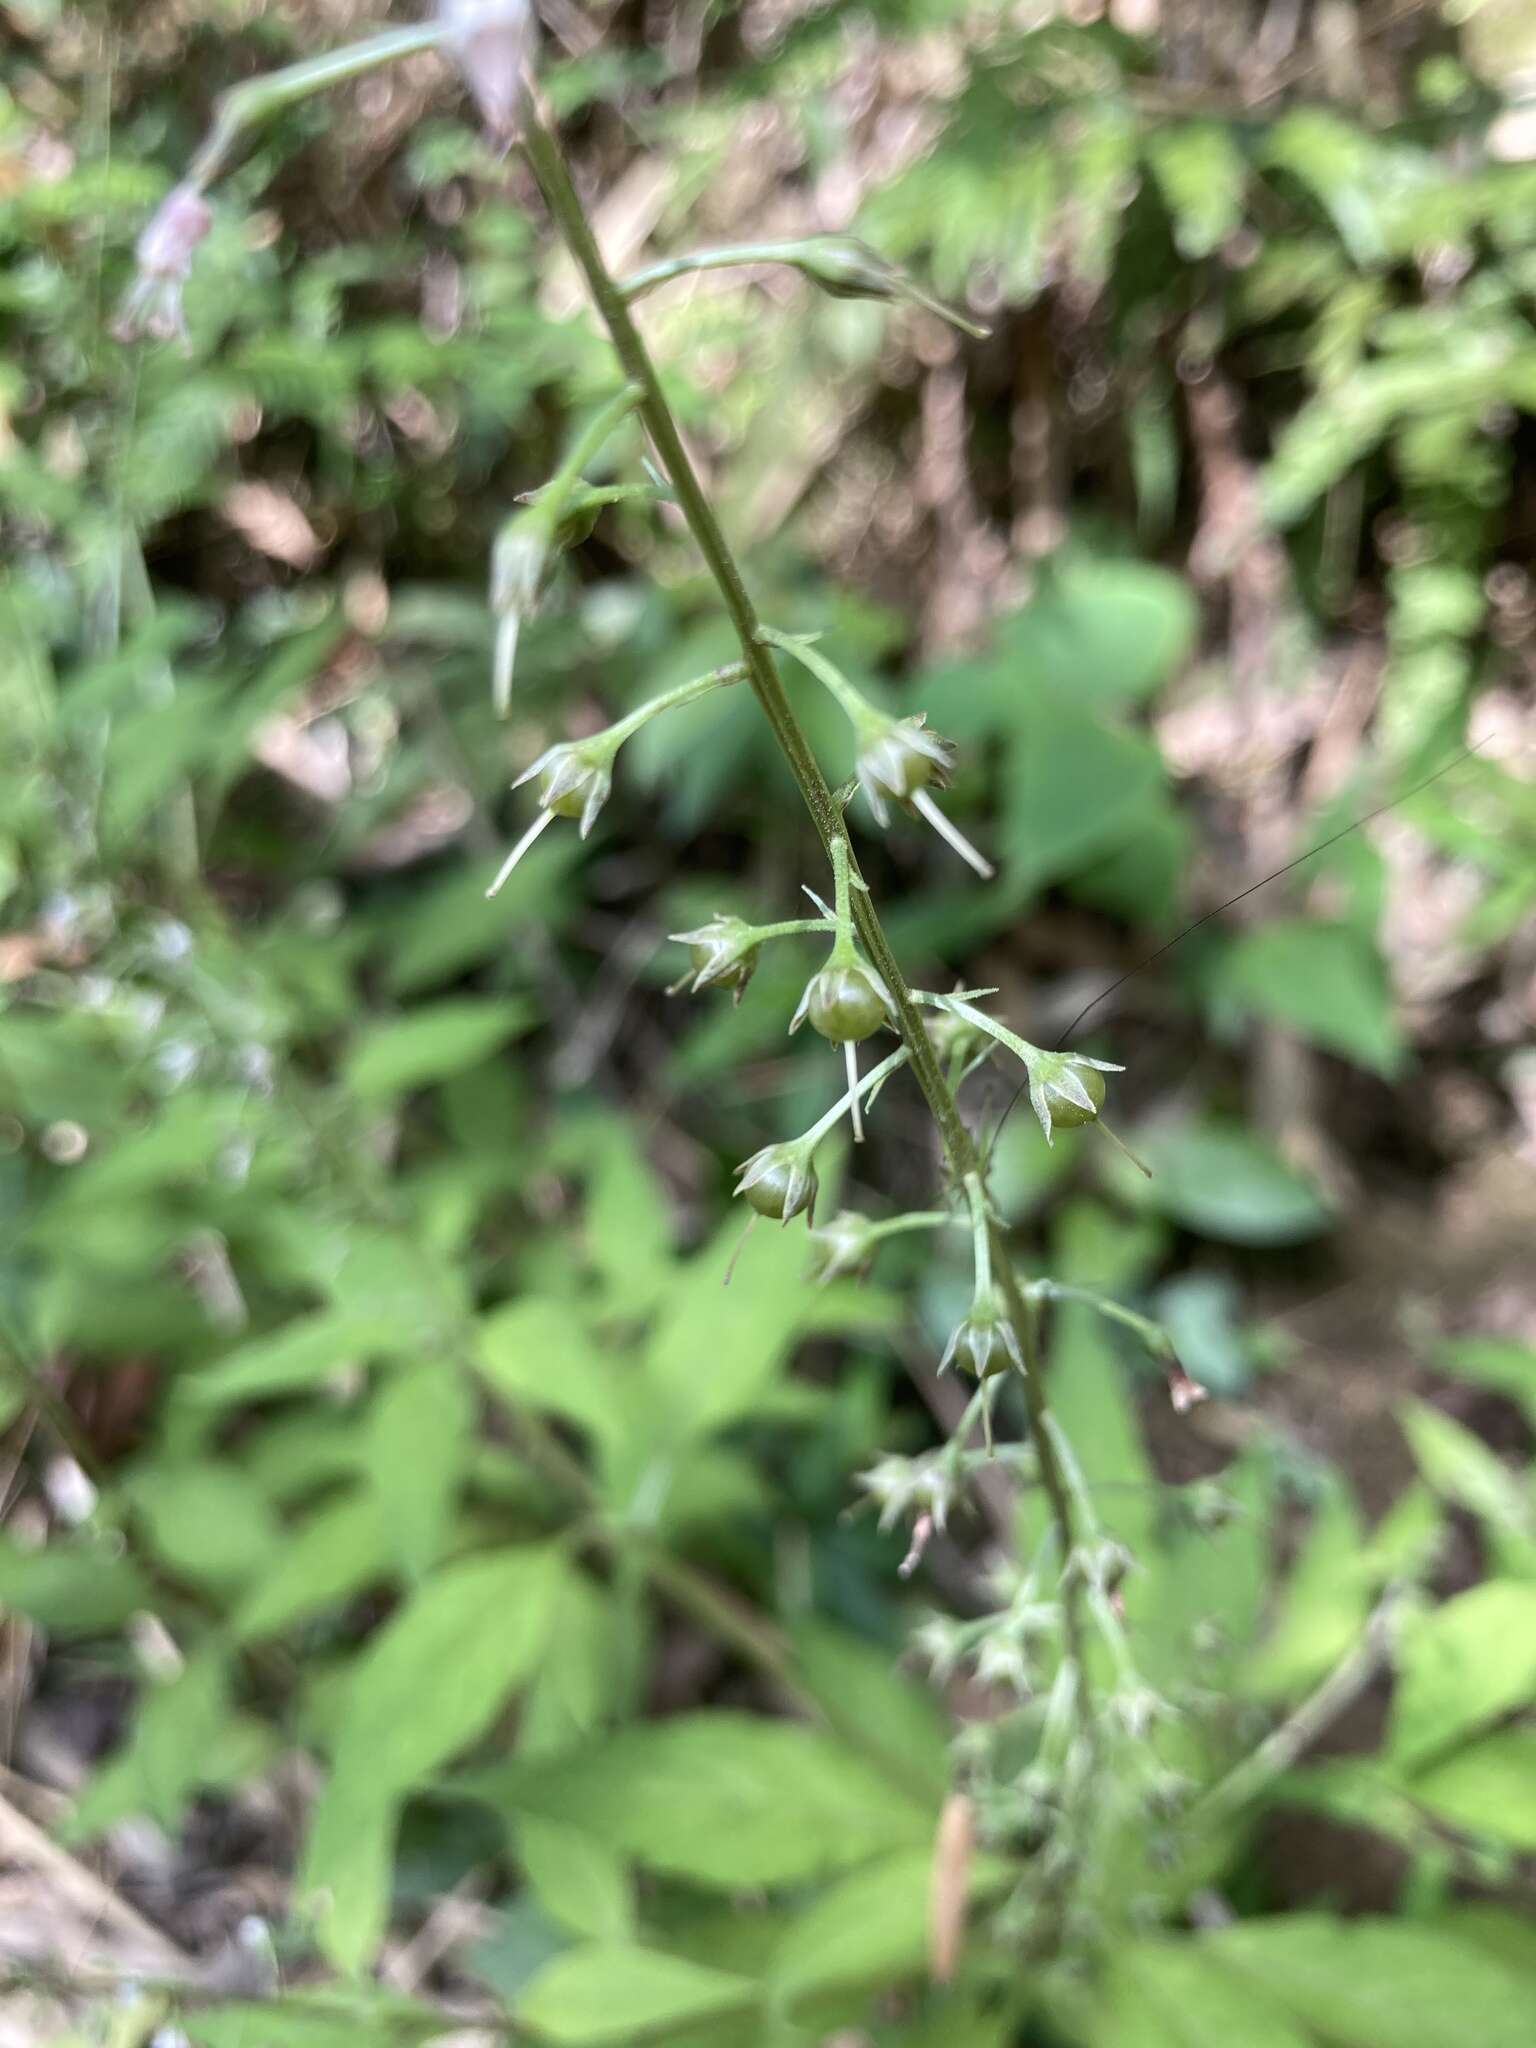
column 985, row 1342
column 723, row 954
column 846, row 268
column 779, row 1181
column 844, row 1003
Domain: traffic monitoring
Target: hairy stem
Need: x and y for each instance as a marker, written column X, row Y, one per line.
column 549, row 168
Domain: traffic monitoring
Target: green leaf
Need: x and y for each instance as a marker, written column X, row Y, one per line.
column 206, row 1520
column 296, row 1356
column 612, row 1991
column 1497, row 1362
column 1324, row 1607
column 1325, row 981
column 578, row 1880
column 1488, row 1789
column 536, row 1352
column 715, row 1350
column 172, row 1750
column 1077, row 787
column 1463, row 1665
column 583, row 1676
column 339, row 1550
column 1227, row 1184
column 1201, row 174
column 726, row 1799
column 344, row 1881
column 74, row 1585
column 329, row 2017
column 1460, row 1466
column 1100, row 631
column 432, row 1042
column 434, row 1676
column 1177, row 1994
column 870, row 1927
column 418, row 1440
column 864, row 1693
column 1380, row 1984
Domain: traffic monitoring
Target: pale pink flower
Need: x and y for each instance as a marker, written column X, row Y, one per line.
column 164, row 251
column 492, row 41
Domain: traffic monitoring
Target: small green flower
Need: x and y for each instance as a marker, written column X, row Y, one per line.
column 897, row 758
column 985, row 1341
column 575, row 779
column 722, row 954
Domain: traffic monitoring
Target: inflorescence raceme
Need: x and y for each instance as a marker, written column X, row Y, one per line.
column 1060, row 1628
column 899, row 763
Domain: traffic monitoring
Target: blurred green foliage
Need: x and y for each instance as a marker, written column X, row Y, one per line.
column 340, row 1241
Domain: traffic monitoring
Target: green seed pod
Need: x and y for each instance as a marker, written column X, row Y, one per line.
column 780, row 1181
column 1068, row 1115
column 844, row 1004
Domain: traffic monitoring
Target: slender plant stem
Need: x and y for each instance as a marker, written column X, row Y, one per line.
column 247, row 106
column 730, row 257
column 548, row 165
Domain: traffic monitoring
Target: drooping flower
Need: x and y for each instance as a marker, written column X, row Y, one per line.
column 492, row 42
column 985, row 1341
column 152, row 306
column 575, row 779
column 722, row 954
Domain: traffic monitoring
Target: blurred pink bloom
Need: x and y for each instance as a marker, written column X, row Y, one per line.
column 164, row 250
column 493, row 42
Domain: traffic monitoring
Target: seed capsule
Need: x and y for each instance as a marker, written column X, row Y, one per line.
column 844, row 1004
column 1068, row 1115
column 780, row 1181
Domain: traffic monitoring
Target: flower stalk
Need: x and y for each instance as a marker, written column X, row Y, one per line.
column 549, row 169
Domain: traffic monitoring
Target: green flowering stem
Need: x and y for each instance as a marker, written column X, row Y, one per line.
column 1151, row 1334
column 981, row 1236
column 549, row 169
column 861, row 714
column 552, row 498
column 869, row 1085
column 914, row 1219
column 672, row 700
column 730, row 256
column 527, row 542
column 844, row 952
column 792, row 927
column 1295, row 1735
column 246, row 106
column 840, row 265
